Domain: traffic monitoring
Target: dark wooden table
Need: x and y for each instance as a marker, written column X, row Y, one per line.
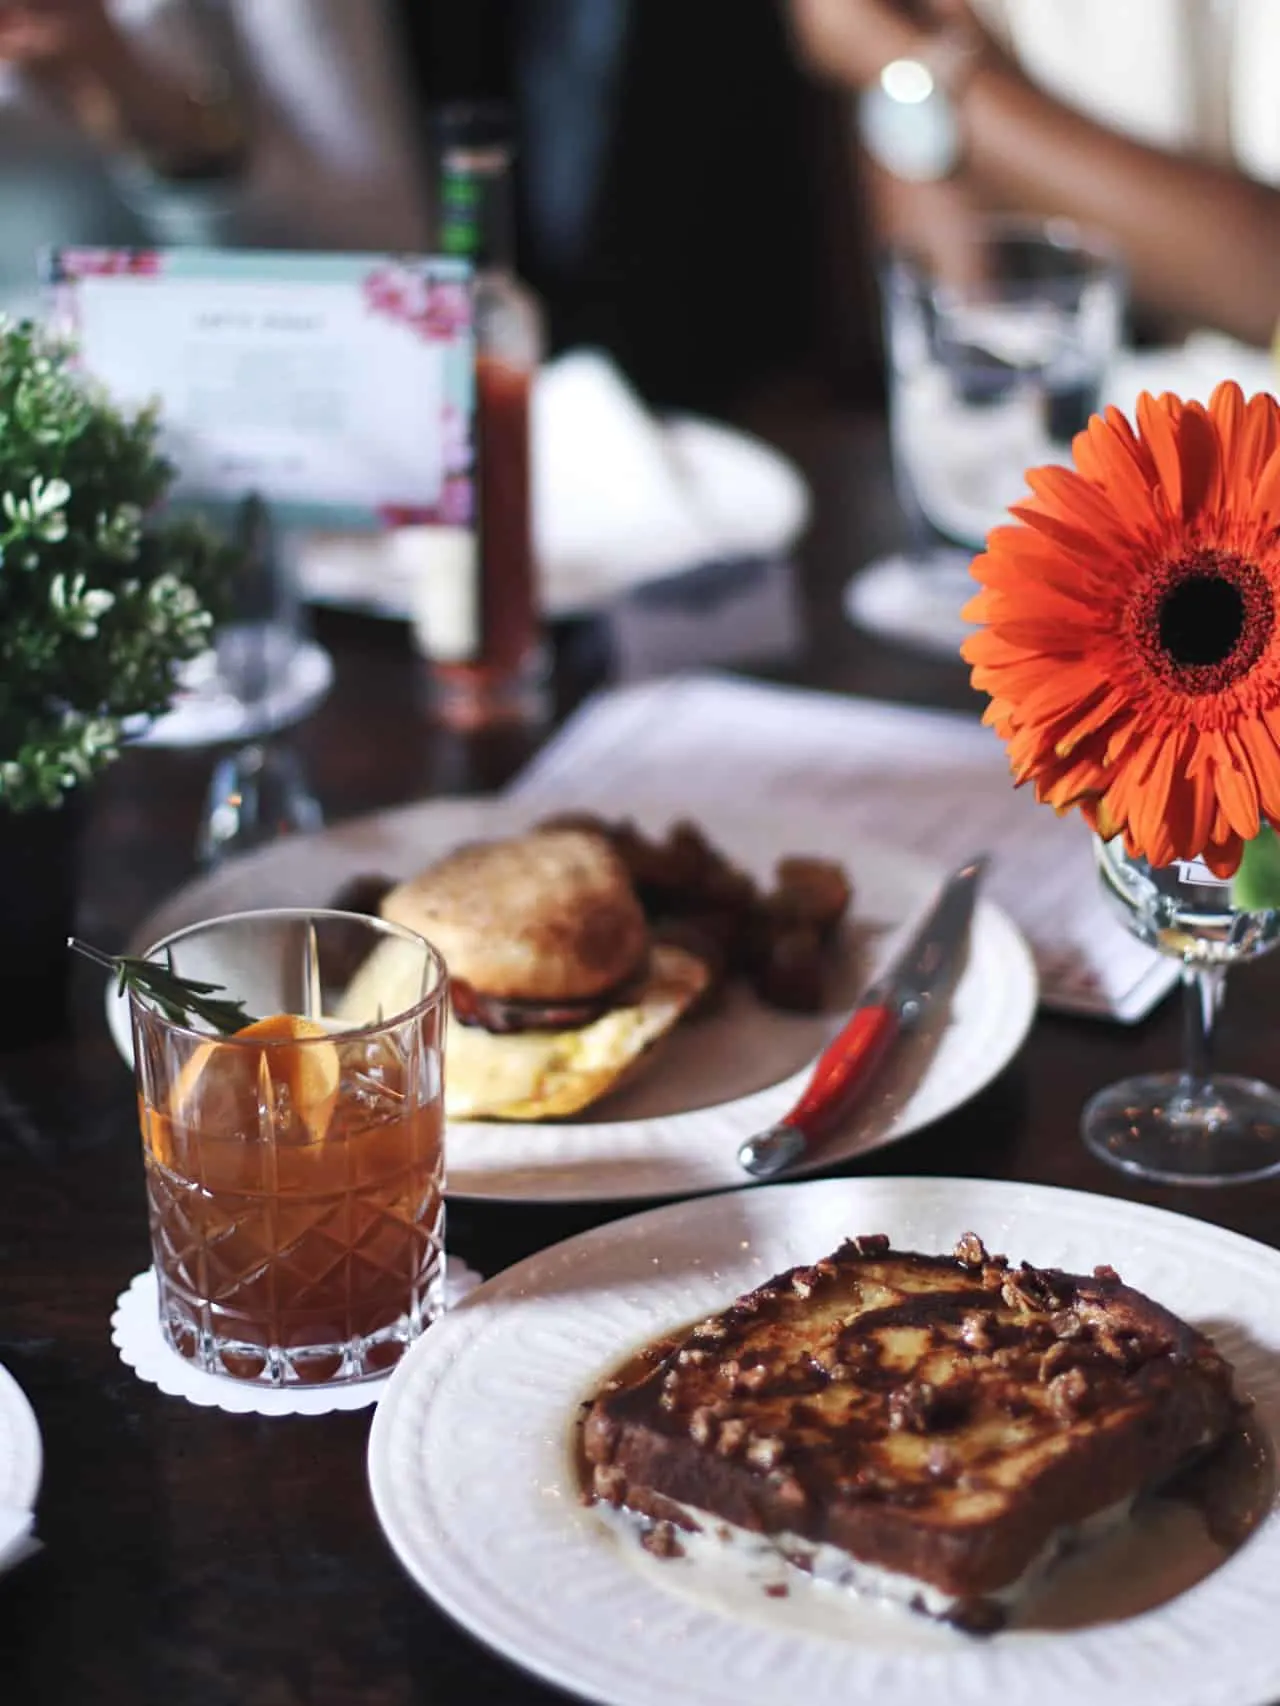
column 203, row 1559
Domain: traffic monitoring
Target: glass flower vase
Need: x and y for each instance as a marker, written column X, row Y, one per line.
column 1193, row 1126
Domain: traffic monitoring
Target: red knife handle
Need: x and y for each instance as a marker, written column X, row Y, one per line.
column 843, row 1070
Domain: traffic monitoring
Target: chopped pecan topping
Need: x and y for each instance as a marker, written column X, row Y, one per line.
column 1127, row 1350
column 970, row 1251
column 1030, row 1290
column 1104, row 1271
column 729, row 1370
column 829, row 1362
column 869, row 1244
column 666, row 1400
column 604, row 1435
column 1059, row 1356
column 977, row 1330
column 662, row 1541
column 942, row 1462
column 732, row 1435
column 753, row 1379
column 1014, row 1401
column 857, row 1355
column 866, row 1483
column 765, row 1452
column 709, row 1332
column 802, row 1285
column 1067, row 1324
column 692, row 1355
column 788, row 1489
column 1069, row 1394
column 702, row 1425
column 920, row 1407
column 609, row 1483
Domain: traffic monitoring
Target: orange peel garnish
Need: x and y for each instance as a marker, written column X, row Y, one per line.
column 310, row 1072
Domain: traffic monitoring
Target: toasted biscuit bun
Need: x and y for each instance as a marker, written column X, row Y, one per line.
column 542, row 1075
column 541, row 917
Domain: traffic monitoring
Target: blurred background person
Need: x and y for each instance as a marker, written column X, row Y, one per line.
column 141, row 122
column 666, row 206
column 1153, row 122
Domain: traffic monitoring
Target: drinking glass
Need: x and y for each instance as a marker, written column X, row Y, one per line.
column 992, row 369
column 259, row 791
column 1194, row 1126
column 295, row 1172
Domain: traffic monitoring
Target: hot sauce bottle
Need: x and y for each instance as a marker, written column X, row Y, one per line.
column 489, row 659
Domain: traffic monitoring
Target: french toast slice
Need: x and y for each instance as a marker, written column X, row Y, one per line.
column 942, row 1422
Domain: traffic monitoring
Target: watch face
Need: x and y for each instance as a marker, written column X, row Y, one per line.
column 908, row 125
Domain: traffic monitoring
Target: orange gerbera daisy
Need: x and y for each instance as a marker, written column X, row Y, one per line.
column 1130, row 639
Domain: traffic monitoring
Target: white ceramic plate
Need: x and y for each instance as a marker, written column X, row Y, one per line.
column 20, row 1468
column 676, row 1130
column 204, row 713
column 473, row 1480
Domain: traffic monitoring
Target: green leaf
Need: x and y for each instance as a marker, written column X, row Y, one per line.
column 102, row 596
column 1256, row 884
column 180, row 999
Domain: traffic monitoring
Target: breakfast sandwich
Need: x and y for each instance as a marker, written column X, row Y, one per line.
column 557, row 990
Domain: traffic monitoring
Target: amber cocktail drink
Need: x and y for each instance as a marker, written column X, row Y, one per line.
column 295, row 1166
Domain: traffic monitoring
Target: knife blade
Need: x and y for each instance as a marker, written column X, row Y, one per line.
column 891, row 1008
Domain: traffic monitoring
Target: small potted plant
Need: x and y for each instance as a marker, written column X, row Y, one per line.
column 100, row 602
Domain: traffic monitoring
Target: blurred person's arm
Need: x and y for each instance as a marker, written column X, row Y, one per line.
column 1201, row 241
column 128, row 101
column 295, row 103
column 334, row 163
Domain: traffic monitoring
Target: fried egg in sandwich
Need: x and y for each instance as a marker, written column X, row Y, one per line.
column 556, row 990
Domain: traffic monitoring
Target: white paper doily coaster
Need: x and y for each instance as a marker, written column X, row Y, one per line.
column 135, row 1332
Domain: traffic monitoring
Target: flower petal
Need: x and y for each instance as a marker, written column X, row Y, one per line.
column 1095, row 708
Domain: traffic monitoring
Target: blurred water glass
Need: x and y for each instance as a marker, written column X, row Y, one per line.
column 259, row 791
column 994, row 368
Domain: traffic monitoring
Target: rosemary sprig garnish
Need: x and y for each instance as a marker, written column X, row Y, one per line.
column 179, row 999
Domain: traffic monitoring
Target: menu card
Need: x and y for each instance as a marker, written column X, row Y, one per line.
column 930, row 781
column 340, row 388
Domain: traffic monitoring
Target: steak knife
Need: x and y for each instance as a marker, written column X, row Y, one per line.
column 891, row 1009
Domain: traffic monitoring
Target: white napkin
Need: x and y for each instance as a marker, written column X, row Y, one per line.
column 609, row 497
column 620, row 497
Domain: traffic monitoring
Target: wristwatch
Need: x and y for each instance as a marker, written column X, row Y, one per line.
column 908, row 119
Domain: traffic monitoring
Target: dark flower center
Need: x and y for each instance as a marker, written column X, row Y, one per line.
column 1205, row 621
column 1201, row 620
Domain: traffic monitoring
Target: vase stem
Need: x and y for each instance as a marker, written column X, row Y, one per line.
column 1203, row 990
